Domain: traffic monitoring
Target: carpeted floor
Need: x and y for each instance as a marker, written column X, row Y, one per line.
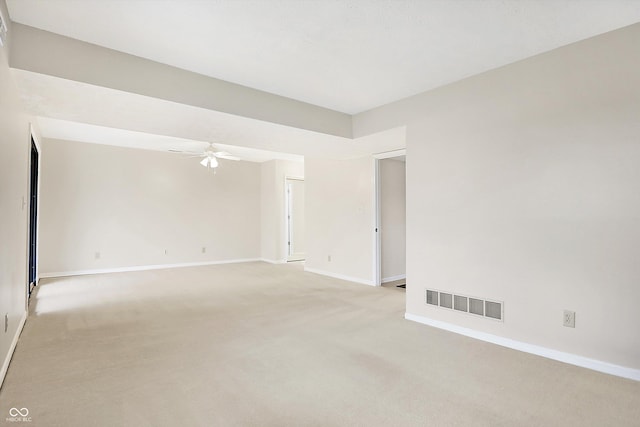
column 269, row 345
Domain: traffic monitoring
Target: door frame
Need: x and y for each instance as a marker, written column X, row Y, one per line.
column 287, row 222
column 34, row 143
column 377, row 212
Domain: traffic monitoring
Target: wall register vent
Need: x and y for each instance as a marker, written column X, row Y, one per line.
column 466, row 304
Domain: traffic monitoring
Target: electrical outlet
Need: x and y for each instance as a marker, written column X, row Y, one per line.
column 204, row 249
column 166, row 251
column 569, row 319
column 97, row 255
column 329, row 258
column 6, row 322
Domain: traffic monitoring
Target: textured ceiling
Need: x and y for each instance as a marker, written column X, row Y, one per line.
column 347, row 55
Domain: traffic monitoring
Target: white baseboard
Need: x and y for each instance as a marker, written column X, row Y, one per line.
column 572, row 359
column 394, row 278
column 12, row 348
column 340, row 276
column 271, row 261
column 144, row 267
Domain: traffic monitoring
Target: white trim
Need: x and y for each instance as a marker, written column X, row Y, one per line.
column 377, row 239
column 340, row 276
column 572, row 359
column 391, row 154
column 36, row 138
column 377, row 215
column 12, row 348
column 394, row 278
column 144, row 267
column 33, row 136
column 287, row 220
column 272, row 261
column 286, row 241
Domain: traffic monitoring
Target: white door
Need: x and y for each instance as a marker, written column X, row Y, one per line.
column 295, row 220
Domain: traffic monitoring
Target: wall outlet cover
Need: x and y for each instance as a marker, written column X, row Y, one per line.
column 569, row 319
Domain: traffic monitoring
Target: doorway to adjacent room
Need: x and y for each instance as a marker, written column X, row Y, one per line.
column 295, row 219
column 32, row 275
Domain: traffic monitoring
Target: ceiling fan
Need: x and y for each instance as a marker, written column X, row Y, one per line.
column 210, row 156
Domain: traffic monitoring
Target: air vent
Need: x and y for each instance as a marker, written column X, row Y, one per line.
column 476, row 306
column 3, row 29
column 445, row 300
column 432, row 297
column 460, row 303
column 493, row 310
column 465, row 304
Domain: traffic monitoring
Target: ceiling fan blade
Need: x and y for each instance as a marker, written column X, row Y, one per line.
column 226, row 156
column 189, row 153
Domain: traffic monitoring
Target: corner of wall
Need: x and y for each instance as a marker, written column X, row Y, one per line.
column 12, row 347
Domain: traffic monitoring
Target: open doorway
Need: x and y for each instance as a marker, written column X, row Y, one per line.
column 390, row 265
column 295, row 219
column 32, row 276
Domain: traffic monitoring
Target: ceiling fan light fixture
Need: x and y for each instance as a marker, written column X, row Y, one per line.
column 209, row 162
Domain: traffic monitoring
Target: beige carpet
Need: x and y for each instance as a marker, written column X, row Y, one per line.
column 269, row 345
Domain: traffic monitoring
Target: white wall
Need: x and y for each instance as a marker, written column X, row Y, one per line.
column 269, row 212
column 522, row 186
column 393, row 204
column 14, row 186
column 339, row 202
column 273, row 224
column 132, row 205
